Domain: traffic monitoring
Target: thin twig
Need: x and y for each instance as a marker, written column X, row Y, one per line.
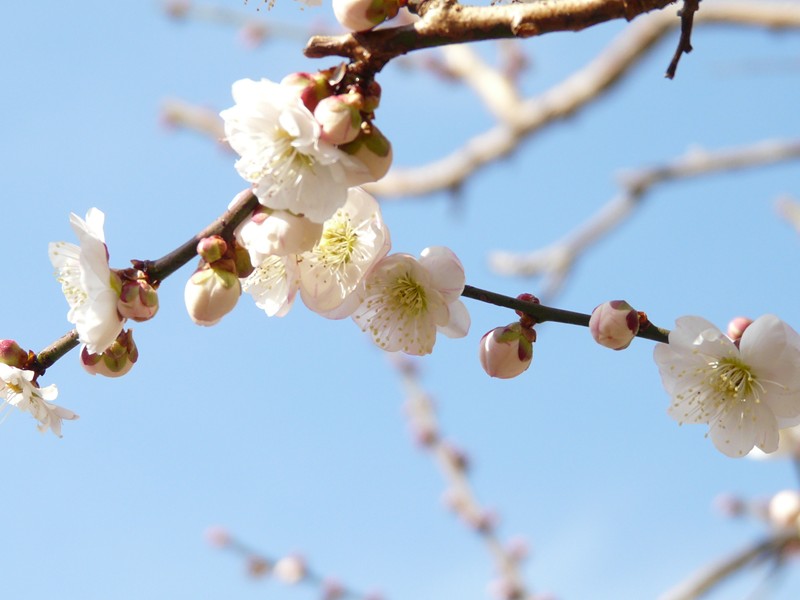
column 685, row 42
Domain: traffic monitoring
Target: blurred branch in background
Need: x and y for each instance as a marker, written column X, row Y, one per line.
column 459, row 496
column 555, row 262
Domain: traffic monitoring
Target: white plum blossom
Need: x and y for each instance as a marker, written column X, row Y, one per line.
column 18, row 390
column 407, row 301
column 745, row 393
column 281, row 153
column 91, row 289
column 273, row 284
column 352, row 241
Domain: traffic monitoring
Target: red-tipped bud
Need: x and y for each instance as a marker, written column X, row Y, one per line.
column 614, row 324
column 12, row 355
column 373, row 149
column 340, row 117
column 310, row 87
column 506, row 352
column 114, row 361
column 138, row 299
column 211, row 249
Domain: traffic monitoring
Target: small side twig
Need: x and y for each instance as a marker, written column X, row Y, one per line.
column 685, row 42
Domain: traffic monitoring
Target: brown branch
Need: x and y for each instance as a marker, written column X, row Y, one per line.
column 685, row 42
column 445, row 23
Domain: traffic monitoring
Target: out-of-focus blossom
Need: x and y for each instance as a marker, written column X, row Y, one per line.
column 746, row 393
column 407, row 301
column 361, row 15
column 91, row 288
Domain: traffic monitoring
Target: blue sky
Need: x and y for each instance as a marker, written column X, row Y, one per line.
column 290, row 432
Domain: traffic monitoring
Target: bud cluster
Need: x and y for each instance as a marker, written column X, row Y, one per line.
column 114, row 361
column 344, row 112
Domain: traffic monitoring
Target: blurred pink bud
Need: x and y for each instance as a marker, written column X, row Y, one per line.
column 210, row 294
column 373, row 149
column 12, row 355
column 138, row 299
column 114, row 361
column 310, row 88
column 730, row 505
column 737, row 326
column 212, row 248
column 177, row 9
column 253, row 33
column 217, row 536
column 361, row 15
column 456, row 457
column 506, row 352
column 505, row 589
column 339, row 117
column 332, row 590
column 784, row 509
column 257, row 566
column 518, row 549
column 290, row 569
column 614, row 324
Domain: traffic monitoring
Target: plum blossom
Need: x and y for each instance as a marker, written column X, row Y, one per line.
column 281, row 153
column 276, row 232
column 744, row 392
column 352, row 241
column 18, row 390
column 91, row 288
column 407, row 301
column 273, row 284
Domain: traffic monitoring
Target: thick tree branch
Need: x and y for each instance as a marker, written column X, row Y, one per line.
column 445, row 23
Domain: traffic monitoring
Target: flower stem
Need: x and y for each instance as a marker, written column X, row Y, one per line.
column 543, row 313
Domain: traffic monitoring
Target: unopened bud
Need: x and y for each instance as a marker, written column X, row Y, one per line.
column 372, row 97
column 12, row 355
column 138, row 299
column 257, row 566
column 291, row 569
column 309, row 87
column 218, row 536
column 373, row 149
column 339, row 117
column 277, row 233
column 737, row 326
column 361, row 15
column 212, row 248
column 210, row 294
column 114, row 361
column 614, row 324
column 506, row 352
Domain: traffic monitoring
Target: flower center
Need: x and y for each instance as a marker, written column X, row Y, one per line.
column 336, row 246
column 408, row 295
column 731, row 379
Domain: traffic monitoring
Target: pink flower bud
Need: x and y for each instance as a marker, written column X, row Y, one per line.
column 210, row 294
column 614, row 324
column 12, row 355
column 310, row 88
column 138, row 299
column 291, row 569
column 114, row 361
column 218, row 536
column 737, row 326
column 212, row 248
column 373, row 149
column 361, row 15
column 339, row 117
column 505, row 352
column 257, row 566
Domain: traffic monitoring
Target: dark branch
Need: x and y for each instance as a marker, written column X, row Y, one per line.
column 685, row 42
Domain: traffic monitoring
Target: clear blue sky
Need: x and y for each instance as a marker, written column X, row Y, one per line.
column 290, row 432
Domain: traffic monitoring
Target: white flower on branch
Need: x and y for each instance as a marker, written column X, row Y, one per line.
column 352, row 241
column 18, row 390
column 281, row 152
column 91, row 289
column 745, row 392
column 407, row 301
column 273, row 284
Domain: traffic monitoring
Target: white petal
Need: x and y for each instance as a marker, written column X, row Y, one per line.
column 737, row 430
column 447, row 272
column 458, row 326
